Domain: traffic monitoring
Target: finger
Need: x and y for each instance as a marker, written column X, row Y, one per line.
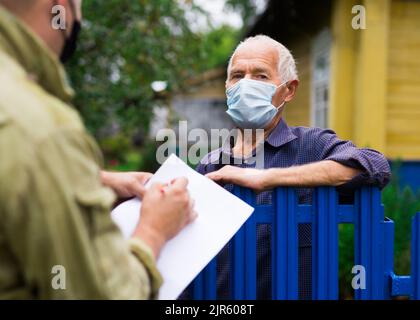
column 156, row 187
column 180, row 183
column 215, row 176
column 218, row 177
column 139, row 190
column 143, row 177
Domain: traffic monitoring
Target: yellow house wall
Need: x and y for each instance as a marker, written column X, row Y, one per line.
column 343, row 70
column 371, row 73
column 403, row 82
column 375, row 77
column 297, row 112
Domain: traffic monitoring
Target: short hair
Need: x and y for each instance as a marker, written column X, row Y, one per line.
column 286, row 64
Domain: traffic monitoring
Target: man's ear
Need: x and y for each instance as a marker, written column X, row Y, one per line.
column 291, row 90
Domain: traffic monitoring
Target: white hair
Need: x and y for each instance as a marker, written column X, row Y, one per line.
column 286, row 63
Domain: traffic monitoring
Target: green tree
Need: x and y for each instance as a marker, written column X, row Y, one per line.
column 218, row 45
column 124, row 47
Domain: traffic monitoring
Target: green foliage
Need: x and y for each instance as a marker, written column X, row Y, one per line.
column 346, row 259
column 400, row 206
column 124, row 47
column 115, row 148
column 218, row 46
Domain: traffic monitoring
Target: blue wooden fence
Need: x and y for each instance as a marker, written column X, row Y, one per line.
column 373, row 245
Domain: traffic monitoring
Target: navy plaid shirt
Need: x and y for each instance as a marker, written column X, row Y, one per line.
column 293, row 146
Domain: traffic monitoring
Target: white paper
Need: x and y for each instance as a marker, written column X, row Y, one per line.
column 220, row 215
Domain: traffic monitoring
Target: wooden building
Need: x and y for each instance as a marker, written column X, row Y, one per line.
column 359, row 69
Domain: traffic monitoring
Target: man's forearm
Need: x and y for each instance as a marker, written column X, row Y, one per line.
column 323, row 173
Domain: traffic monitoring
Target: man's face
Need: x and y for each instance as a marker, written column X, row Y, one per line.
column 257, row 62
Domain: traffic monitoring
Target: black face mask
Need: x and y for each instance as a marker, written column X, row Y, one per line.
column 70, row 44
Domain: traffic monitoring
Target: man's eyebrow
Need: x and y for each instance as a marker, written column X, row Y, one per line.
column 260, row 70
column 237, row 70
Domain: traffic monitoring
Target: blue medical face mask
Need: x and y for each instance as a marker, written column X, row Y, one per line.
column 249, row 103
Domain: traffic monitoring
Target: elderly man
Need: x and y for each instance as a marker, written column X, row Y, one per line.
column 262, row 78
column 57, row 240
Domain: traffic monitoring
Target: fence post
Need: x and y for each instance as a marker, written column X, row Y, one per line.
column 389, row 257
column 415, row 257
column 369, row 242
column 210, row 283
column 237, row 257
column 198, row 289
column 325, row 244
column 285, row 255
column 250, row 249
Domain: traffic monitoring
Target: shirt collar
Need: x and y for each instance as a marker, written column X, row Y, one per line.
column 281, row 135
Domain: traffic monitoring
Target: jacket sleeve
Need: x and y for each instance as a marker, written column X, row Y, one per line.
column 373, row 164
column 60, row 231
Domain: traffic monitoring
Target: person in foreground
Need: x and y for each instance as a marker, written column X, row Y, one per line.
column 54, row 200
column 261, row 80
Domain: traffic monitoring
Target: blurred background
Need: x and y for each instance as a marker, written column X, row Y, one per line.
column 145, row 64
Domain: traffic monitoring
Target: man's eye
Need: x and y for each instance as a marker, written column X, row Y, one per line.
column 262, row 77
column 236, row 76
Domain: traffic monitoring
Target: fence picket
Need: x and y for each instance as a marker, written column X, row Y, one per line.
column 373, row 239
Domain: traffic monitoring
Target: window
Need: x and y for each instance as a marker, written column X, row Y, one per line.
column 320, row 82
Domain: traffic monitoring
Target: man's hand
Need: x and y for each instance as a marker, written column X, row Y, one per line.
column 165, row 211
column 247, row 177
column 126, row 184
column 322, row 173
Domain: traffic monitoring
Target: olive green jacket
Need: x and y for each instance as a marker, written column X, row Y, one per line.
column 57, row 240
